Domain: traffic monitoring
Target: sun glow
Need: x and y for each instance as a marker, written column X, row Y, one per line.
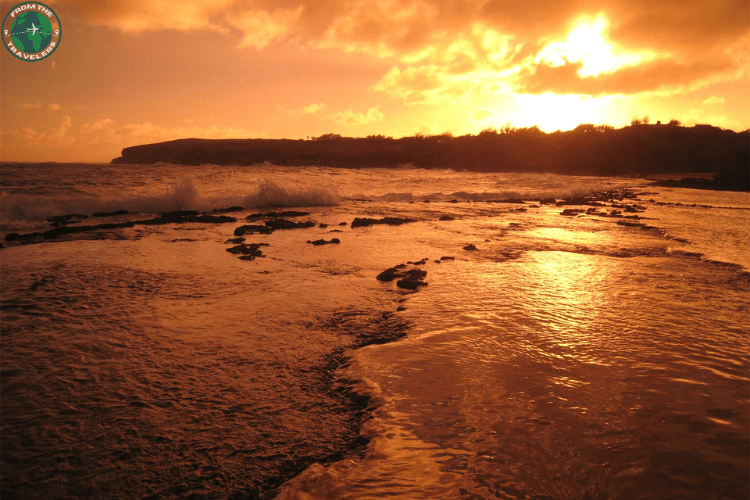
column 553, row 112
column 587, row 44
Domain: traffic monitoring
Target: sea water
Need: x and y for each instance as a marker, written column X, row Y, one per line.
column 567, row 357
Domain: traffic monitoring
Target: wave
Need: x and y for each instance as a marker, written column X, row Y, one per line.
column 182, row 195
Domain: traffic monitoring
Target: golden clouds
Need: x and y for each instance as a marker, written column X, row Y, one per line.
column 444, row 50
column 351, row 118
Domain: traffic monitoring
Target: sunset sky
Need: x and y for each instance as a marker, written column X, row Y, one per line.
column 140, row 71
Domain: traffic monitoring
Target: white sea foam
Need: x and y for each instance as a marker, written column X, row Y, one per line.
column 182, row 195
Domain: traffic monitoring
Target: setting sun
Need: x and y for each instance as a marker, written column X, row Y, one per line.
column 588, row 45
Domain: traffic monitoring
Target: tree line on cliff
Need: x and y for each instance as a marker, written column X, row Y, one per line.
column 639, row 149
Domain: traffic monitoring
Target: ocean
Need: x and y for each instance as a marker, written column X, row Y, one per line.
column 600, row 354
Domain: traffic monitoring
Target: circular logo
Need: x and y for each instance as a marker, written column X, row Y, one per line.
column 31, row 31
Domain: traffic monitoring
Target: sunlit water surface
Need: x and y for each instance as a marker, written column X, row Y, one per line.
column 565, row 358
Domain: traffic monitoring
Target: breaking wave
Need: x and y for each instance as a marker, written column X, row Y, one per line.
column 182, row 195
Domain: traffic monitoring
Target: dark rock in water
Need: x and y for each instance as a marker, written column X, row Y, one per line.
column 454, row 200
column 521, row 209
column 547, row 201
column 177, row 214
column 446, row 217
column 227, row 210
column 470, row 247
column 438, row 261
column 277, row 215
column 569, row 212
column 23, row 237
column 447, row 258
column 322, row 225
column 387, row 275
column 177, row 240
column 248, row 251
column 335, row 231
column 391, row 221
column 235, row 241
column 411, row 282
column 61, row 220
column 400, row 308
column 287, row 224
column 186, row 216
column 334, row 241
column 400, row 266
column 343, row 223
column 421, row 262
column 111, row 214
column 252, row 229
column 59, row 231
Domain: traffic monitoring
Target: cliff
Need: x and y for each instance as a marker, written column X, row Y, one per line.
column 589, row 149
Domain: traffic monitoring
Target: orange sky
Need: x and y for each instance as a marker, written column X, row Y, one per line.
column 139, row 71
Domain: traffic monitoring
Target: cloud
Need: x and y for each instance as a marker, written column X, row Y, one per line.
column 54, row 107
column 307, row 110
column 31, row 105
column 351, row 118
column 445, row 49
column 714, row 100
column 103, row 139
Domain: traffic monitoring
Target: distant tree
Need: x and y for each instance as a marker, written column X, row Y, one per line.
column 635, row 121
column 328, row 137
column 674, row 123
column 488, row 132
column 645, row 120
column 604, row 128
column 508, row 130
column 585, row 128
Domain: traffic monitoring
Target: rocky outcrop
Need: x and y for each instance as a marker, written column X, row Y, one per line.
column 391, row 221
column 332, row 241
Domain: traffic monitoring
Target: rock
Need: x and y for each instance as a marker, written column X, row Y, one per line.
column 400, row 308
column 569, row 212
column 252, row 229
column 470, row 247
column 446, row 217
column 421, row 262
column 179, row 214
column 547, row 201
column 111, row 214
column 23, row 237
column 410, row 284
column 287, row 224
column 387, row 275
column 334, row 241
column 59, row 231
column 61, row 220
column 235, row 241
column 322, row 225
column 277, row 215
column 391, row 221
column 343, row 223
column 447, row 258
column 185, row 216
column 248, row 251
column 227, row 210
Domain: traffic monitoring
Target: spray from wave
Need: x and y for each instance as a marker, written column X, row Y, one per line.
column 182, row 195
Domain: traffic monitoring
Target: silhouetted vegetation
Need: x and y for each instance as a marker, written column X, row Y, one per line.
column 589, row 149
